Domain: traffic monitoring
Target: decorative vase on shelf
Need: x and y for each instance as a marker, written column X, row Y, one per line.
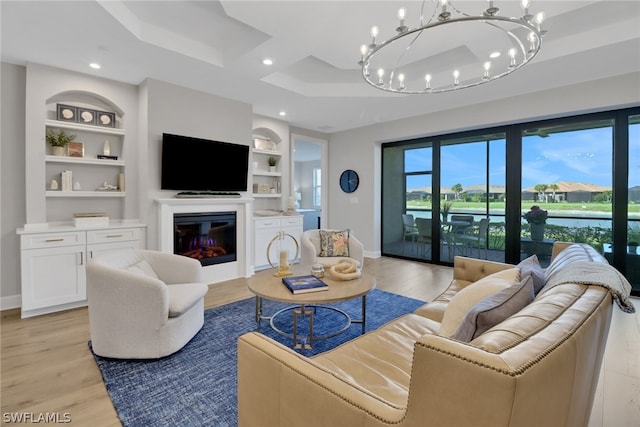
column 59, row 151
column 537, row 232
column 106, row 148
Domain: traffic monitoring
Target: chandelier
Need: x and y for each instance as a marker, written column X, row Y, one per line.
column 452, row 50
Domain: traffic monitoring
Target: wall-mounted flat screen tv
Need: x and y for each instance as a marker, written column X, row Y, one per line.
column 195, row 164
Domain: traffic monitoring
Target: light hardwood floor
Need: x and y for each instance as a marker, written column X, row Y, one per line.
column 46, row 365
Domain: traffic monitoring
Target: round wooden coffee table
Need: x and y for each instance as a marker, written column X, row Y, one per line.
column 266, row 286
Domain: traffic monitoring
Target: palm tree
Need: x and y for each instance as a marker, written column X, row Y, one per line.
column 457, row 189
column 541, row 188
column 553, row 188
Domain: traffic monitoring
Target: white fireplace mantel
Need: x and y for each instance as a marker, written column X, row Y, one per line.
column 242, row 267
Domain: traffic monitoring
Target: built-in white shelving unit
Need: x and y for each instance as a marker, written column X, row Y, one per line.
column 266, row 184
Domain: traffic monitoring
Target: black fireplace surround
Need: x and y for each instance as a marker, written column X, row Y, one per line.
column 209, row 237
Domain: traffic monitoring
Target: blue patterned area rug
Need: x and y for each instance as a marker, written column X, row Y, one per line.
column 197, row 386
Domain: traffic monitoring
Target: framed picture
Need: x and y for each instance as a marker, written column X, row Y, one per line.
column 76, row 149
column 66, row 113
column 106, row 119
column 86, row 116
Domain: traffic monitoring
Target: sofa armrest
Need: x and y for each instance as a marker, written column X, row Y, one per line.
column 277, row 386
column 172, row 268
column 473, row 269
column 453, row 382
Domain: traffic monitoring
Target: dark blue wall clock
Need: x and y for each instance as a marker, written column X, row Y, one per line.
column 349, row 181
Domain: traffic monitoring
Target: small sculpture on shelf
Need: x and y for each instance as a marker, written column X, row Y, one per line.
column 107, row 187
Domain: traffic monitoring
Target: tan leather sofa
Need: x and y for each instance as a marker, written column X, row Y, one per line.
column 539, row 367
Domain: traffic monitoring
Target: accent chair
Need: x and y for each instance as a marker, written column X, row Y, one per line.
column 143, row 304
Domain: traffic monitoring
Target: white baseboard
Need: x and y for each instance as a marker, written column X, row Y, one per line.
column 372, row 254
column 12, row 301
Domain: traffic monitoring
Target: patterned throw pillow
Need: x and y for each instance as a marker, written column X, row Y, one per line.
column 334, row 243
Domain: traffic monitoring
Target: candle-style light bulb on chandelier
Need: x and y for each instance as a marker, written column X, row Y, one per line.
column 452, row 49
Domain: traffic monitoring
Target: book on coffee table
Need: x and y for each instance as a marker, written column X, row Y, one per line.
column 303, row 284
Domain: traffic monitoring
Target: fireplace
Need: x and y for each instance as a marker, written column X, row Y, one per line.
column 168, row 208
column 209, row 237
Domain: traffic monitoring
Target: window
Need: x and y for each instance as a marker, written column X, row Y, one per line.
column 632, row 263
column 567, row 171
column 584, row 171
column 407, row 182
column 317, row 188
column 473, row 177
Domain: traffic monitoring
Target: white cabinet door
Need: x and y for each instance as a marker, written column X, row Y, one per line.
column 52, row 277
column 53, row 265
column 293, row 227
column 265, row 230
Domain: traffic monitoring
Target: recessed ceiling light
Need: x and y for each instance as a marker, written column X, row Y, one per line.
column 267, row 61
column 283, row 113
column 494, row 54
column 95, row 65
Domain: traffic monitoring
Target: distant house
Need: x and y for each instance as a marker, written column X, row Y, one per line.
column 496, row 192
column 634, row 194
column 417, row 195
column 575, row 192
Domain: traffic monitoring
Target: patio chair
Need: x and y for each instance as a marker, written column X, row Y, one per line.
column 476, row 237
column 409, row 230
column 425, row 236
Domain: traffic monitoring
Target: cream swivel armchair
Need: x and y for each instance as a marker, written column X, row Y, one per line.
column 143, row 304
column 311, row 250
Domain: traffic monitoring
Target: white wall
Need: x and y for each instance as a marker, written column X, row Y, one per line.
column 359, row 149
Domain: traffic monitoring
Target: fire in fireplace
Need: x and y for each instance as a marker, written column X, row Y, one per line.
column 208, row 237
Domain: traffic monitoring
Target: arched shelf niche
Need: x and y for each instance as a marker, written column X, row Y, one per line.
column 83, row 99
column 268, row 134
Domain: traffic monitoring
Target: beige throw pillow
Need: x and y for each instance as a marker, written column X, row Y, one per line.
column 495, row 309
column 468, row 297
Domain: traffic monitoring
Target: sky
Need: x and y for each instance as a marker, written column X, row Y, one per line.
column 576, row 156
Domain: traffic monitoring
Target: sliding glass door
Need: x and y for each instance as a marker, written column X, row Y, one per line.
column 407, row 209
column 632, row 258
column 473, row 185
column 567, row 186
column 478, row 189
